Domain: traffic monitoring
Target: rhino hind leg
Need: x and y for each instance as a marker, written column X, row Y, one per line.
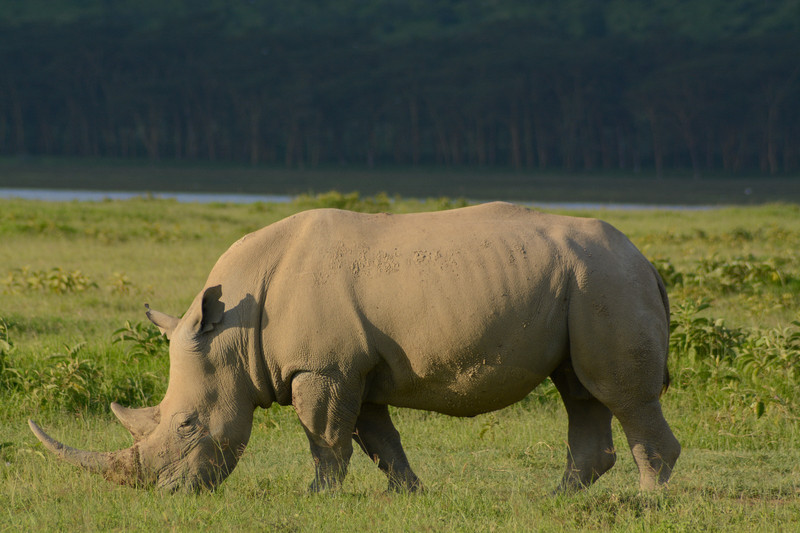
column 618, row 344
column 653, row 445
column 591, row 447
column 634, row 400
column 379, row 439
column 632, row 395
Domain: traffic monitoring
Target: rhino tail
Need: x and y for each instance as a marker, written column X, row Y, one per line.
column 662, row 289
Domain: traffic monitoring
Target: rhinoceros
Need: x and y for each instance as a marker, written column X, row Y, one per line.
column 461, row 312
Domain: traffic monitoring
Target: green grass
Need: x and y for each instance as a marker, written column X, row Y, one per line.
column 734, row 402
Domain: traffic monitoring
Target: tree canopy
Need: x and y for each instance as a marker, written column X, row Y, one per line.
column 569, row 84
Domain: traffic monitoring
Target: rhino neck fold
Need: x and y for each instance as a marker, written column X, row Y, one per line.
column 260, row 372
column 263, row 390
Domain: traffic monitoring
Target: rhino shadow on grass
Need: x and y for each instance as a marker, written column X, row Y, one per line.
column 462, row 312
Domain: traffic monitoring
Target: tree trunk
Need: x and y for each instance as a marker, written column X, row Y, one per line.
column 18, row 118
column 541, row 141
column 413, row 111
column 658, row 147
column 528, row 141
column 516, row 150
column 255, row 138
column 480, row 143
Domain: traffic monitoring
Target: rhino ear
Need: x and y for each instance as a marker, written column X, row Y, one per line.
column 140, row 422
column 210, row 312
column 166, row 323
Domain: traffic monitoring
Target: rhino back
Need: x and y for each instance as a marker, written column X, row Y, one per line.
column 460, row 312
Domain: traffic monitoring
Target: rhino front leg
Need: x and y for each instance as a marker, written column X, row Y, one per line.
column 591, row 447
column 379, row 439
column 330, row 463
column 327, row 409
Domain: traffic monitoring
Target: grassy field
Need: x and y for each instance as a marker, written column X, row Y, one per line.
column 73, row 280
column 476, row 184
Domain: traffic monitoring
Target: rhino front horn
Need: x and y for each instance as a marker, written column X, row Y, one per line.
column 120, row 467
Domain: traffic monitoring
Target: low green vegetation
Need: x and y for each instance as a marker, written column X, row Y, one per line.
column 73, row 338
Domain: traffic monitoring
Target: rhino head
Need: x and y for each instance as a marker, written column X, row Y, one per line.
column 193, row 439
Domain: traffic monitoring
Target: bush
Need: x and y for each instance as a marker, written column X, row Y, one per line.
column 145, row 338
column 669, row 274
column 55, row 280
column 771, row 352
column 740, row 274
column 745, row 371
column 725, row 276
column 380, row 203
column 69, row 382
column 350, row 201
column 10, row 377
column 700, row 338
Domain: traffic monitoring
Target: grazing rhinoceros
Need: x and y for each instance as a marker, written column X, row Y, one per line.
column 461, row 312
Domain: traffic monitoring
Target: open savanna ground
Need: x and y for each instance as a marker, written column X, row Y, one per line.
column 73, row 338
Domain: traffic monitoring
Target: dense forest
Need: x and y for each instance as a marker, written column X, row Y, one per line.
column 577, row 85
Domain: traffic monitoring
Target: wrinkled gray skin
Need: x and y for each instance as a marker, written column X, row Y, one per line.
column 461, row 312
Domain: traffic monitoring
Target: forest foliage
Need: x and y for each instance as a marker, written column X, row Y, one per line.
column 563, row 85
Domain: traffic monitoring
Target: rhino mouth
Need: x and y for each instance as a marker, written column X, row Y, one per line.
column 189, row 483
column 179, row 483
column 202, row 466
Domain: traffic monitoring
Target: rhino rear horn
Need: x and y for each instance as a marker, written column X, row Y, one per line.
column 140, row 422
column 166, row 323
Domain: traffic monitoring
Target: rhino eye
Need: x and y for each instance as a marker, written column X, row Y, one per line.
column 188, row 424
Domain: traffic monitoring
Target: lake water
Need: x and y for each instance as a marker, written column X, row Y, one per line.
column 59, row 195
column 64, row 195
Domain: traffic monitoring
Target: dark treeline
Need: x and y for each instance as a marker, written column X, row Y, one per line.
column 517, row 91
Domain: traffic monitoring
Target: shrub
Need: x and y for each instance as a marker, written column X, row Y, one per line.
column 120, row 283
column 740, row 274
column 145, row 338
column 444, row 203
column 746, row 372
column 140, row 389
column 69, row 382
column 698, row 337
column 73, row 383
column 671, row 276
column 380, row 203
column 146, row 341
column 350, row 201
column 10, row 377
column 55, row 280
column 770, row 352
